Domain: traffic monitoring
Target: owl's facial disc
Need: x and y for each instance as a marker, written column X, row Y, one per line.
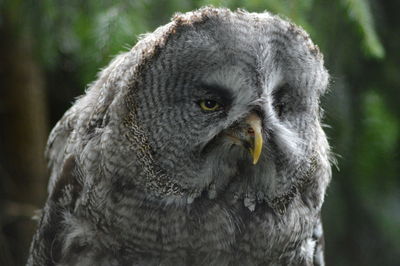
column 249, row 135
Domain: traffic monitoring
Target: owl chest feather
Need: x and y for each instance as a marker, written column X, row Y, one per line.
column 206, row 232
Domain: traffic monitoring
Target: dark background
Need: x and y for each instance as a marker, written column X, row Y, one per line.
column 51, row 50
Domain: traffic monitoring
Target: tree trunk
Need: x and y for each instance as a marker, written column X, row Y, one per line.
column 23, row 134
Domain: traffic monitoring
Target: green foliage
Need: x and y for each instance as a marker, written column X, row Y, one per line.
column 377, row 144
column 359, row 11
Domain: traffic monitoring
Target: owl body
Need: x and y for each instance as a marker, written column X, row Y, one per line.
column 200, row 146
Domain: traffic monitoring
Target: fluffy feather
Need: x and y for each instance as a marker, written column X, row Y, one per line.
column 140, row 175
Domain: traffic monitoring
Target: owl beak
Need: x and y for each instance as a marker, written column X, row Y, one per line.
column 248, row 135
column 254, row 131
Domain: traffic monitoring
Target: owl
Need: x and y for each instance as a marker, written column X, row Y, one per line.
column 202, row 145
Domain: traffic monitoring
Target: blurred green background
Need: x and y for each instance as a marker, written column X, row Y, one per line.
column 51, row 50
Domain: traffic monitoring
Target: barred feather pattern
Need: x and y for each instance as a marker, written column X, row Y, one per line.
column 140, row 175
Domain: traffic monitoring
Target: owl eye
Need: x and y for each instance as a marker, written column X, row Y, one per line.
column 278, row 99
column 209, row 105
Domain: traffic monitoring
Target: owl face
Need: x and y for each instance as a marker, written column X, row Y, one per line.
column 231, row 96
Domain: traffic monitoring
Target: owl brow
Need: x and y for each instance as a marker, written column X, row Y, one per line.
column 223, row 94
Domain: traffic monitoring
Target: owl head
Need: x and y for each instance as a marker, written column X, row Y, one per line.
column 215, row 103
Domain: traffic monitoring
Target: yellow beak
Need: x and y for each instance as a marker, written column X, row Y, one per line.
column 255, row 131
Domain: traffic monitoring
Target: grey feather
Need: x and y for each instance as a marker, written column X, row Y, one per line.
column 142, row 175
